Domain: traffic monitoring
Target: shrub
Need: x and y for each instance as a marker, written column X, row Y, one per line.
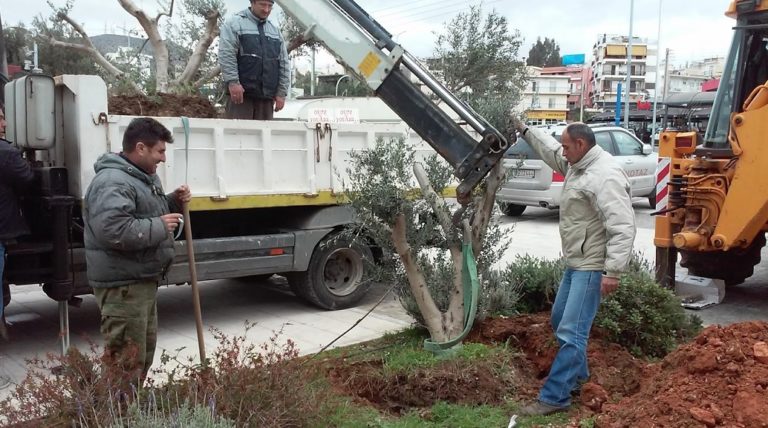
column 243, row 385
column 537, row 279
column 644, row 317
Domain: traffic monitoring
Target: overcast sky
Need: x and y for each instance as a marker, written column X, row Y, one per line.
column 692, row 29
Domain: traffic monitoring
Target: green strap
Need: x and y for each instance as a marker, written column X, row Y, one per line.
column 185, row 123
column 471, row 286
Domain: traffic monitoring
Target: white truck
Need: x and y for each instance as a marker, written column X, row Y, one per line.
column 265, row 193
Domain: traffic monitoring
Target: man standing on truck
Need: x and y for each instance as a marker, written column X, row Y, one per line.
column 15, row 175
column 597, row 229
column 254, row 63
column 129, row 223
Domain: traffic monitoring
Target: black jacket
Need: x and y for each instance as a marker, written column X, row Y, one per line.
column 15, row 176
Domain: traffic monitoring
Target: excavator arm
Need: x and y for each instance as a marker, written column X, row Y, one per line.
column 365, row 47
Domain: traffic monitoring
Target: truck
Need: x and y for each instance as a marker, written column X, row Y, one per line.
column 711, row 199
column 266, row 194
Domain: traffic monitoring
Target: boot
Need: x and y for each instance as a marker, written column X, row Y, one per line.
column 537, row 408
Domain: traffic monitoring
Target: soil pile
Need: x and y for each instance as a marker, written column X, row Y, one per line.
column 614, row 372
column 163, row 105
column 720, row 379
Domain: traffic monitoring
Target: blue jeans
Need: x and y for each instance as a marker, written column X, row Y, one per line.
column 574, row 310
column 2, row 270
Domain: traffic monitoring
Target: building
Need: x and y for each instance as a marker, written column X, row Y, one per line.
column 545, row 98
column 609, row 68
column 695, row 76
column 578, row 85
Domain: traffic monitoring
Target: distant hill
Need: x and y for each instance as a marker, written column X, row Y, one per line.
column 108, row 43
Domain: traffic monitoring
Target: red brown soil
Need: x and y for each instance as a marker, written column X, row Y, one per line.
column 719, row 379
column 162, row 105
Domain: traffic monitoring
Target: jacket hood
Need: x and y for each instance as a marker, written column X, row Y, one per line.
column 246, row 13
column 115, row 161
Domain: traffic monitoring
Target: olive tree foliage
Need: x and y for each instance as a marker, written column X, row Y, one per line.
column 420, row 233
column 199, row 28
column 477, row 57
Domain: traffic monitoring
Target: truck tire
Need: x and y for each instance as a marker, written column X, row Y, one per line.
column 512, row 210
column 335, row 276
column 733, row 267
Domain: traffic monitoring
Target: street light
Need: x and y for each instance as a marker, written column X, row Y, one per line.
column 339, row 81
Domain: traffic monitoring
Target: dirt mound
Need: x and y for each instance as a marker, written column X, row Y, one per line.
column 163, row 105
column 720, row 379
column 612, row 368
column 470, row 383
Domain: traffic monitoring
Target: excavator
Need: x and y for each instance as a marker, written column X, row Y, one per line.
column 712, row 197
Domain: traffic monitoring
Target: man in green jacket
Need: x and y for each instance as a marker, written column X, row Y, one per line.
column 597, row 229
column 129, row 223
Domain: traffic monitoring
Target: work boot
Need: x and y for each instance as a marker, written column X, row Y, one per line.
column 537, row 408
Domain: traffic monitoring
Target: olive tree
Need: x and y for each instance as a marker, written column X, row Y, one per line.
column 422, row 230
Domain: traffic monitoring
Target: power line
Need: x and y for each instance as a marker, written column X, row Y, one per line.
column 427, row 7
column 402, row 5
column 437, row 15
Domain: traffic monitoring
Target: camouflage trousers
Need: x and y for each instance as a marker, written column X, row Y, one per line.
column 129, row 325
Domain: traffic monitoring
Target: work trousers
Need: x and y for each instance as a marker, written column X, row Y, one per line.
column 576, row 304
column 129, row 325
column 251, row 109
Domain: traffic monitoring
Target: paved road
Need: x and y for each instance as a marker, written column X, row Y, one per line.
column 269, row 304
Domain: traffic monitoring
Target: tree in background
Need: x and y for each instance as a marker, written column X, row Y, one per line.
column 544, row 54
column 19, row 41
column 477, row 57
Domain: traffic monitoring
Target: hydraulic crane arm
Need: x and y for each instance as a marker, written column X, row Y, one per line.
column 365, row 47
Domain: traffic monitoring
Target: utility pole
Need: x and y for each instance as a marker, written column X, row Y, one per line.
column 312, row 75
column 656, row 83
column 666, row 75
column 629, row 63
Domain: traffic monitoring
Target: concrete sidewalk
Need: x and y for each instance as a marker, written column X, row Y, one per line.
column 227, row 305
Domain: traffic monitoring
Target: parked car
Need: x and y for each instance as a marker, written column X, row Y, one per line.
column 531, row 182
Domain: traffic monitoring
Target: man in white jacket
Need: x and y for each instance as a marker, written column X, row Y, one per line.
column 597, row 229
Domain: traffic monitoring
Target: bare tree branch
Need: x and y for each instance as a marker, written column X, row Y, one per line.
column 88, row 47
column 296, row 43
column 201, row 49
column 155, row 38
column 168, row 14
column 215, row 71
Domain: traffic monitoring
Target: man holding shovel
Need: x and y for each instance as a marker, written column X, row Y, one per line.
column 129, row 223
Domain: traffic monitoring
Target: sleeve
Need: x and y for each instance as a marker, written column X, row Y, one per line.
column 229, row 46
column 550, row 150
column 112, row 210
column 285, row 70
column 17, row 171
column 613, row 201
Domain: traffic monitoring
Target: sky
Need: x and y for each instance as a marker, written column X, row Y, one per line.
column 691, row 29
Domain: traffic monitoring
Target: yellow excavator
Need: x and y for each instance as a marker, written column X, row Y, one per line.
column 712, row 197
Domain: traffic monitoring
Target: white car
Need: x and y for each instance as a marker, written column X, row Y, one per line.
column 531, row 182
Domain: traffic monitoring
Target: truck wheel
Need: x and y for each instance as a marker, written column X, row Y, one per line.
column 334, row 278
column 733, row 267
column 512, row 210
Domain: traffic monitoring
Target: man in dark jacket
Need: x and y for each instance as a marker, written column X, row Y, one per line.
column 129, row 223
column 254, row 63
column 15, row 175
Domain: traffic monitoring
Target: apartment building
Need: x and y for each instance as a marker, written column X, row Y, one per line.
column 609, row 68
column 545, row 98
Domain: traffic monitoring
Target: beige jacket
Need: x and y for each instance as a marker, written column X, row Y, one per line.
column 597, row 222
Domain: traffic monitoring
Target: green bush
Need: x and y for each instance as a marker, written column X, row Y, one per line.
column 644, row 317
column 536, row 279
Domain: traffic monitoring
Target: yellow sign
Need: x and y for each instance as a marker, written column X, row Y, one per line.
column 546, row 115
column 369, row 64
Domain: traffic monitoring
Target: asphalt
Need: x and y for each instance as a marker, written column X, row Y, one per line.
column 271, row 310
